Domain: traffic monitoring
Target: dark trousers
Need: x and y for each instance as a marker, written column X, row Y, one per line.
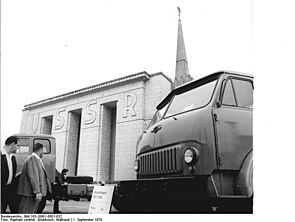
column 42, row 205
column 9, row 198
column 56, row 206
column 28, row 205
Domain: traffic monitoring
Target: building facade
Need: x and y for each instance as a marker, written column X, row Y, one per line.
column 96, row 128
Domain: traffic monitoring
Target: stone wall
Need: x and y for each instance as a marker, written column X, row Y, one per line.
column 96, row 132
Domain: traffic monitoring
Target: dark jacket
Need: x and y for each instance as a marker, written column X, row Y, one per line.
column 7, row 192
column 5, row 171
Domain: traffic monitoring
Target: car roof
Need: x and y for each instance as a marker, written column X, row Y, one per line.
column 33, row 135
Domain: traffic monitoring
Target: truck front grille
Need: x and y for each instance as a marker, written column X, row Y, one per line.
column 163, row 161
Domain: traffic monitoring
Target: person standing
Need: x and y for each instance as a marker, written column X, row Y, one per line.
column 8, row 171
column 60, row 188
column 33, row 184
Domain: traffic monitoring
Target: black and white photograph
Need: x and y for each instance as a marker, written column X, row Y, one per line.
column 130, row 108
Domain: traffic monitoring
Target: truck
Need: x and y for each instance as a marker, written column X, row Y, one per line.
column 75, row 188
column 197, row 152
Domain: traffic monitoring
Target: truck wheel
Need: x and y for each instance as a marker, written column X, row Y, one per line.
column 123, row 204
column 244, row 205
column 146, row 205
column 247, row 205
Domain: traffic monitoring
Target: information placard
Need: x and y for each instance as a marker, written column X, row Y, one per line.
column 101, row 200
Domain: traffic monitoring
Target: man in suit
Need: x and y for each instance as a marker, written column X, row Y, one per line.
column 8, row 171
column 33, row 184
column 60, row 179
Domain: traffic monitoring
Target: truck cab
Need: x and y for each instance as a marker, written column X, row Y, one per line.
column 198, row 146
column 27, row 141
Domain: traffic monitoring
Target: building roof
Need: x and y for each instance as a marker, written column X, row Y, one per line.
column 141, row 76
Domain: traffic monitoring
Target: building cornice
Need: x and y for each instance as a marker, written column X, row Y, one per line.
column 141, row 76
column 160, row 73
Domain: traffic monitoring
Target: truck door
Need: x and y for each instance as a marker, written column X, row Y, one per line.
column 234, row 121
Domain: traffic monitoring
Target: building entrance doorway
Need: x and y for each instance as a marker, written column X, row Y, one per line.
column 73, row 141
column 108, row 140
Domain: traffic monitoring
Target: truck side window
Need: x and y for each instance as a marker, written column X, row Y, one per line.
column 24, row 146
column 228, row 94
column 244, row 93
column 46, row 144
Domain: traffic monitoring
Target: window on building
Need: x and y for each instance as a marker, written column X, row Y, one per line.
column 47, row 125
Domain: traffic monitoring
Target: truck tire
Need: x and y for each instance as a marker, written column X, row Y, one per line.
column 79, row 179
column 243, row 183
column 123, row 204
column 242, row 205
column 146, row 204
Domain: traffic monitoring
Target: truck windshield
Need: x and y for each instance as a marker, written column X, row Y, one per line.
column 158, row 116
column 191, row 98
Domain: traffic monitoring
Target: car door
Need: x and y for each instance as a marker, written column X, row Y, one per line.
column 234, row 122
column 25, row 149
column 48, row 157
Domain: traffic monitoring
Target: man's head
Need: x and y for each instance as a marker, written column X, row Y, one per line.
column 64, row 171
column 38, row 149
column 11, row 144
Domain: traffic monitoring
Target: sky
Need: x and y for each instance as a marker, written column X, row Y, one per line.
column 53, row 47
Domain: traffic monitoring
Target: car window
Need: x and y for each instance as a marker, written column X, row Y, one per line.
column 46, row 144
column 194, row 98
column 24, row 145
column 244, row 93
column 228, row 94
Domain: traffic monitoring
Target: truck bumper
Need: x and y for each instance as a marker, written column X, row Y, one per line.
column 181, row 187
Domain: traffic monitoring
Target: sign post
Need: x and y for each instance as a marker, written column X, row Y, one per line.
column 101, row 200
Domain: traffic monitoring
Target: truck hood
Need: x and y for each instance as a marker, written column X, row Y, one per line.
column 195, row 125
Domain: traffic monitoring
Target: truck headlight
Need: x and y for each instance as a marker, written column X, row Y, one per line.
column 191, row 155
column 136, row 165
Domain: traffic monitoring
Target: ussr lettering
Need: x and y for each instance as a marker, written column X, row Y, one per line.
column 60, row 120
column 90, row 112
column 130, row 101
column 35, row 123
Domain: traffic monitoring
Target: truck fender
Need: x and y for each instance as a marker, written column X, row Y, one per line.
column 243, row 183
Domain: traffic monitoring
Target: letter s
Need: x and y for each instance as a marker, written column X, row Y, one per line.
column 90, row 112
column 59, row 119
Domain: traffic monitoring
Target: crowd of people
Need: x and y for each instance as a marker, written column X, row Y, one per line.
column 26, row 193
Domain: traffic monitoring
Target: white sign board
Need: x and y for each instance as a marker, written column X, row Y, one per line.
column 101, row 200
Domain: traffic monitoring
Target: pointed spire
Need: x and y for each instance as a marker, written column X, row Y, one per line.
column 181, row 72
